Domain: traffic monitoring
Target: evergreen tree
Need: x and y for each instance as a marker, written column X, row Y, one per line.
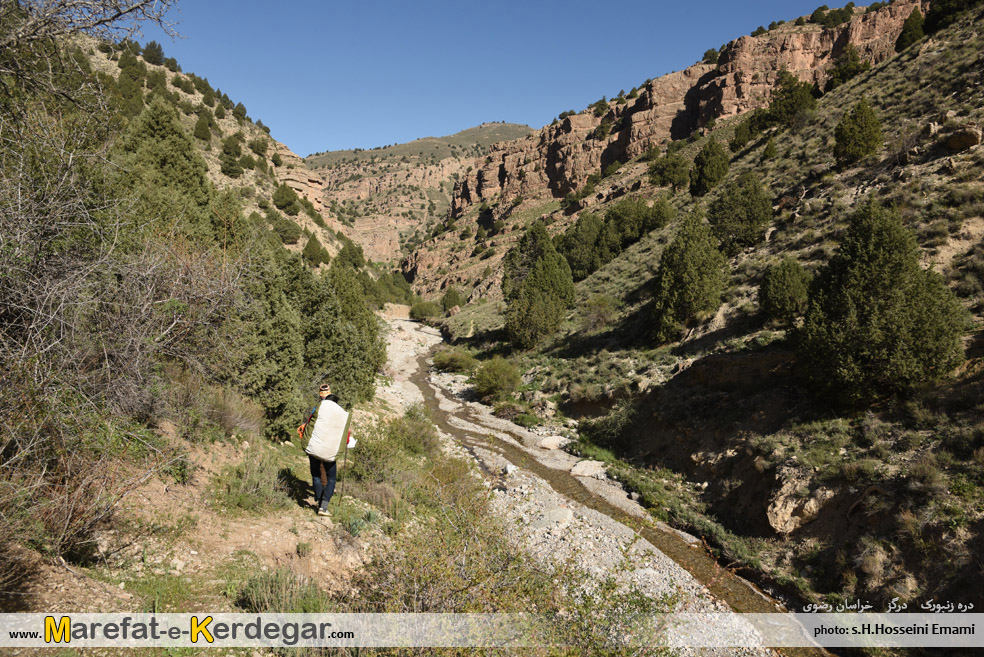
column 671, row 170
column 848, row 65
column 162, row 164
column 741, row 213
column 285, row 198
column 690, row 279
column 912, row 31
column 783, row 292
column 314, row 254
column 579, row 245
column 202, row 130
column 239, row 111
column 538, row 288
column 153, row 53
column 229, row 159
column 769, row 152
column 878, row 324
column 858, row 134
column 710, row 167
column 452, row 297
column 792, row 100
column 219, row 111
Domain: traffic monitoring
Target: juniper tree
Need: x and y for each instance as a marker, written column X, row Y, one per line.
column 690, row 279
column 912, row 31
column 538, row 288
column 858, row 134
column 710, row 167
column 740, row 214
column 878, row 324
column 783, row 292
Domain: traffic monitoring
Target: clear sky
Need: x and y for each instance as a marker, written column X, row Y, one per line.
column 336, row 74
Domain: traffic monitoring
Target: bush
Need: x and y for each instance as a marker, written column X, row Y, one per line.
column 792, row 101
column 538, row 288
column 578, row 245
column 259, row 146
column 202, row 130
column 282, row 591
column 452, row 297
column 912, row 31
column 784, row 290
column 858, row 134
column 671, row 170
column 285, row 199
column 848, row 66
column 878, row 325
column 496, row 378
column 741, row 213
column 153, row 53
column 453, row 359
column 710, row 167
column 690, row 279
column 944, row 13
column 424, row 310
column 314, row 254
column 253, row 485
column 711, row 56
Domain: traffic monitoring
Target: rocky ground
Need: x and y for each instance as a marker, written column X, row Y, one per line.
column 550, row 525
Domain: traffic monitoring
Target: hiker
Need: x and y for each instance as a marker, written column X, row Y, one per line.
column 321, row 438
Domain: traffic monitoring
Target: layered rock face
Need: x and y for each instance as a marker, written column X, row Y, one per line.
column 559, row 157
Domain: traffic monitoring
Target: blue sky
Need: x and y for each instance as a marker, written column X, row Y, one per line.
column 335, row 74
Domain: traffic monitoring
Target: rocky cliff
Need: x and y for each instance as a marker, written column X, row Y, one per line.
column 558, row 158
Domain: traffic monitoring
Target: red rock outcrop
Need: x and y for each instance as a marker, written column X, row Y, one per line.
column 559, row 157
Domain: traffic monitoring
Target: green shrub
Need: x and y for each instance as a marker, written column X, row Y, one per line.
column 912, row 31
column 784, row 291
column 944, row 13
column 671, row 170
column 858, row 134
column 878, row 325
column 452, row 297
column 253, row 485
column 847, row 66
column 690, row 279
column 282, row 591
column 741, row 213
column 202, row 130
column 454, row 359
column 578, row 245
column 424, row 310
column 153, row 53
column 710, row 167
column 285, row 198
column 792, row 101
column 496, row 378
column 314, row 254
column 538, row 288
column 259, row 146
column 711, row 56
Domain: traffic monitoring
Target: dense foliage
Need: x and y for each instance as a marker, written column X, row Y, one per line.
column 710, row 167
column 784, row 290
column 912, row 31
column 878, row 324
column 690, row 279
column 740, row 214
column 538, row 288
column 858, row 134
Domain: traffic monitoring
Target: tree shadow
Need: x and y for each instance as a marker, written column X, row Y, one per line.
column 298, row 490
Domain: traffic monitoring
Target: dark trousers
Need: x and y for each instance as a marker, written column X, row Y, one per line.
column 323, row 493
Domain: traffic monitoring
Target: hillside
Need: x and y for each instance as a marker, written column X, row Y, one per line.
column 390, row 198
column 524, row 177
column 719, row 430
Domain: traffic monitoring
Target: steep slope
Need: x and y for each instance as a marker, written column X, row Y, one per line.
column 389, row 198
column 559, row 158
column 717, row 430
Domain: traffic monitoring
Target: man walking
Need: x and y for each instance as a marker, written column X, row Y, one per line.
column 321, row 438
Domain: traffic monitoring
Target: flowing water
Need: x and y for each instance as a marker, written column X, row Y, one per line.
column 742, row 596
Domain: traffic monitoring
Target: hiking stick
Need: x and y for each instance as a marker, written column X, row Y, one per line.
column 339, row 475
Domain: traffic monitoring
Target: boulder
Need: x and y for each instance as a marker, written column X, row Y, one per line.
column 553, row 442
column 964, row 138
column 556, row 518
column 594, row 469
column 789, row 509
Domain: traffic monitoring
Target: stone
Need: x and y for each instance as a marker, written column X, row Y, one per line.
column 594, row 469
column 556, row 518
column 788, row 509
column 964, row 138
column 932, row 129
column 553, row 442
column 509, row 468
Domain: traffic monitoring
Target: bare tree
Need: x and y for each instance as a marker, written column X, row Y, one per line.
column 32, row 31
